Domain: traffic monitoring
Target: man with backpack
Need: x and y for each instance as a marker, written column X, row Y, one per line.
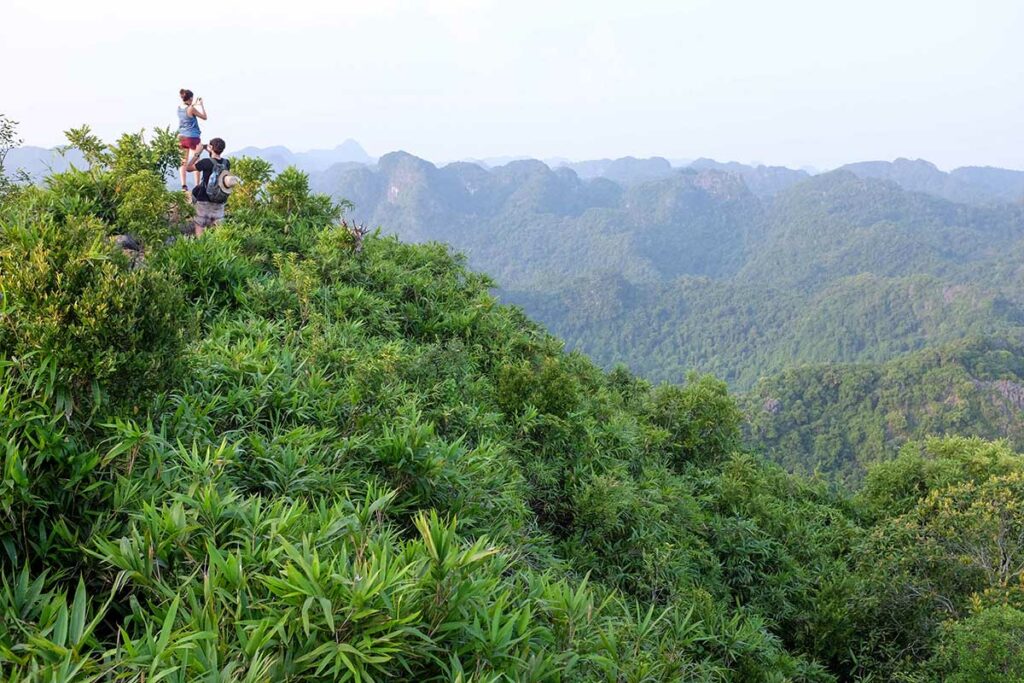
column 214, row 187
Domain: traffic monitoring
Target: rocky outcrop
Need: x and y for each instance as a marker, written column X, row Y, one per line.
column 131, row 248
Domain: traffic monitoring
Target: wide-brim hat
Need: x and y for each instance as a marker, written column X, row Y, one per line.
column 226, row 182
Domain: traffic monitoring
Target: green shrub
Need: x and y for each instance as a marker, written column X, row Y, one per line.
column 288, row 193
column 893, row 488
column 133, row 154
column 546, row 385
column 144, row 207
column 701, row 420
column 81, row 326
column 254, row 173
column 75, row 193
column 212, row 273
column 987, row 647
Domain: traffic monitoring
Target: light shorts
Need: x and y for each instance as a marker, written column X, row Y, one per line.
column 208, row 213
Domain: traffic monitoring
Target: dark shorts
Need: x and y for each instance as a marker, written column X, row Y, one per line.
column 188, row 143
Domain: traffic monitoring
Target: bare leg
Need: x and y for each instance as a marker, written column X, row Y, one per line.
column 200, row 222
column 184, row 164
column 196, row 152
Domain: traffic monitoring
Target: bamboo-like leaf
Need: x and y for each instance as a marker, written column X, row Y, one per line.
column 168, row 626
column 76, row 626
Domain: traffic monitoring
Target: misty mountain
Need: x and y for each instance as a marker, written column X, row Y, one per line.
column 313, row 161
column 764, row 181
column 999, row 184
column 626, row 171
column 37, row 162
column 494, row 162
column 526, row 223
column 972, row 184
column 838, row 224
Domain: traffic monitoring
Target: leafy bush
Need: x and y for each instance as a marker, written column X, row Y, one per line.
column 254, row 173
column 213, row 275
column 701, row 420
column 893, row 488
column 133, row 154
column 288, row 195
column 987, row 647
column 9, row 139
column 75, row 193
column 81, row 327
column 144, row 206
column 82, row 333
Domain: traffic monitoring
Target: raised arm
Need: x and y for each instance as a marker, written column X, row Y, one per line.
column 198, row 109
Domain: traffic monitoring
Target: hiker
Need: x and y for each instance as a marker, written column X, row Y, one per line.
column 211, row 193
column 189, row 114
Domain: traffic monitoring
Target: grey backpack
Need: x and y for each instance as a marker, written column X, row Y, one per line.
column 213, row 189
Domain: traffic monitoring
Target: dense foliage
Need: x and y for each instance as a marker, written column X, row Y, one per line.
column 693, row 271
column 744, row 273
column 849, row 416
column 322, row 463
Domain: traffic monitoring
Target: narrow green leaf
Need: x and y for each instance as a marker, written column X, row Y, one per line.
column 165, row 631
column 77, row 625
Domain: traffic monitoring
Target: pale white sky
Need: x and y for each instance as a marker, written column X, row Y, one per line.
column 819, row 82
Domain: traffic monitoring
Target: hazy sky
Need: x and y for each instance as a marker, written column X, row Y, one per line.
column 817, row 82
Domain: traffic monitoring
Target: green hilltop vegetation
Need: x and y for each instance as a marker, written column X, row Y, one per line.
column 282, row 452
column 851, row 415
column 741, row 332
column 745, row 273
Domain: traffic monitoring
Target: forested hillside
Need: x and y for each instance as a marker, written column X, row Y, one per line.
column 528, row 224
column 742, row 332
column 694, row 271
column 739, row 271
column 287, row 452
column 850, row 415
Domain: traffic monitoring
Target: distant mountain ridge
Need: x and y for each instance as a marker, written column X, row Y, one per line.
column 970, row 184
column 37, row 162
column 312, row 161
column 626, row 171
column 764, row 181
column 525, row 221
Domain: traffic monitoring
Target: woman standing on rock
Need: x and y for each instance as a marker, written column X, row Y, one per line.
column 189, row 113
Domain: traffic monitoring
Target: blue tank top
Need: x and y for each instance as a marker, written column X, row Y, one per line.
column 188, row 126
